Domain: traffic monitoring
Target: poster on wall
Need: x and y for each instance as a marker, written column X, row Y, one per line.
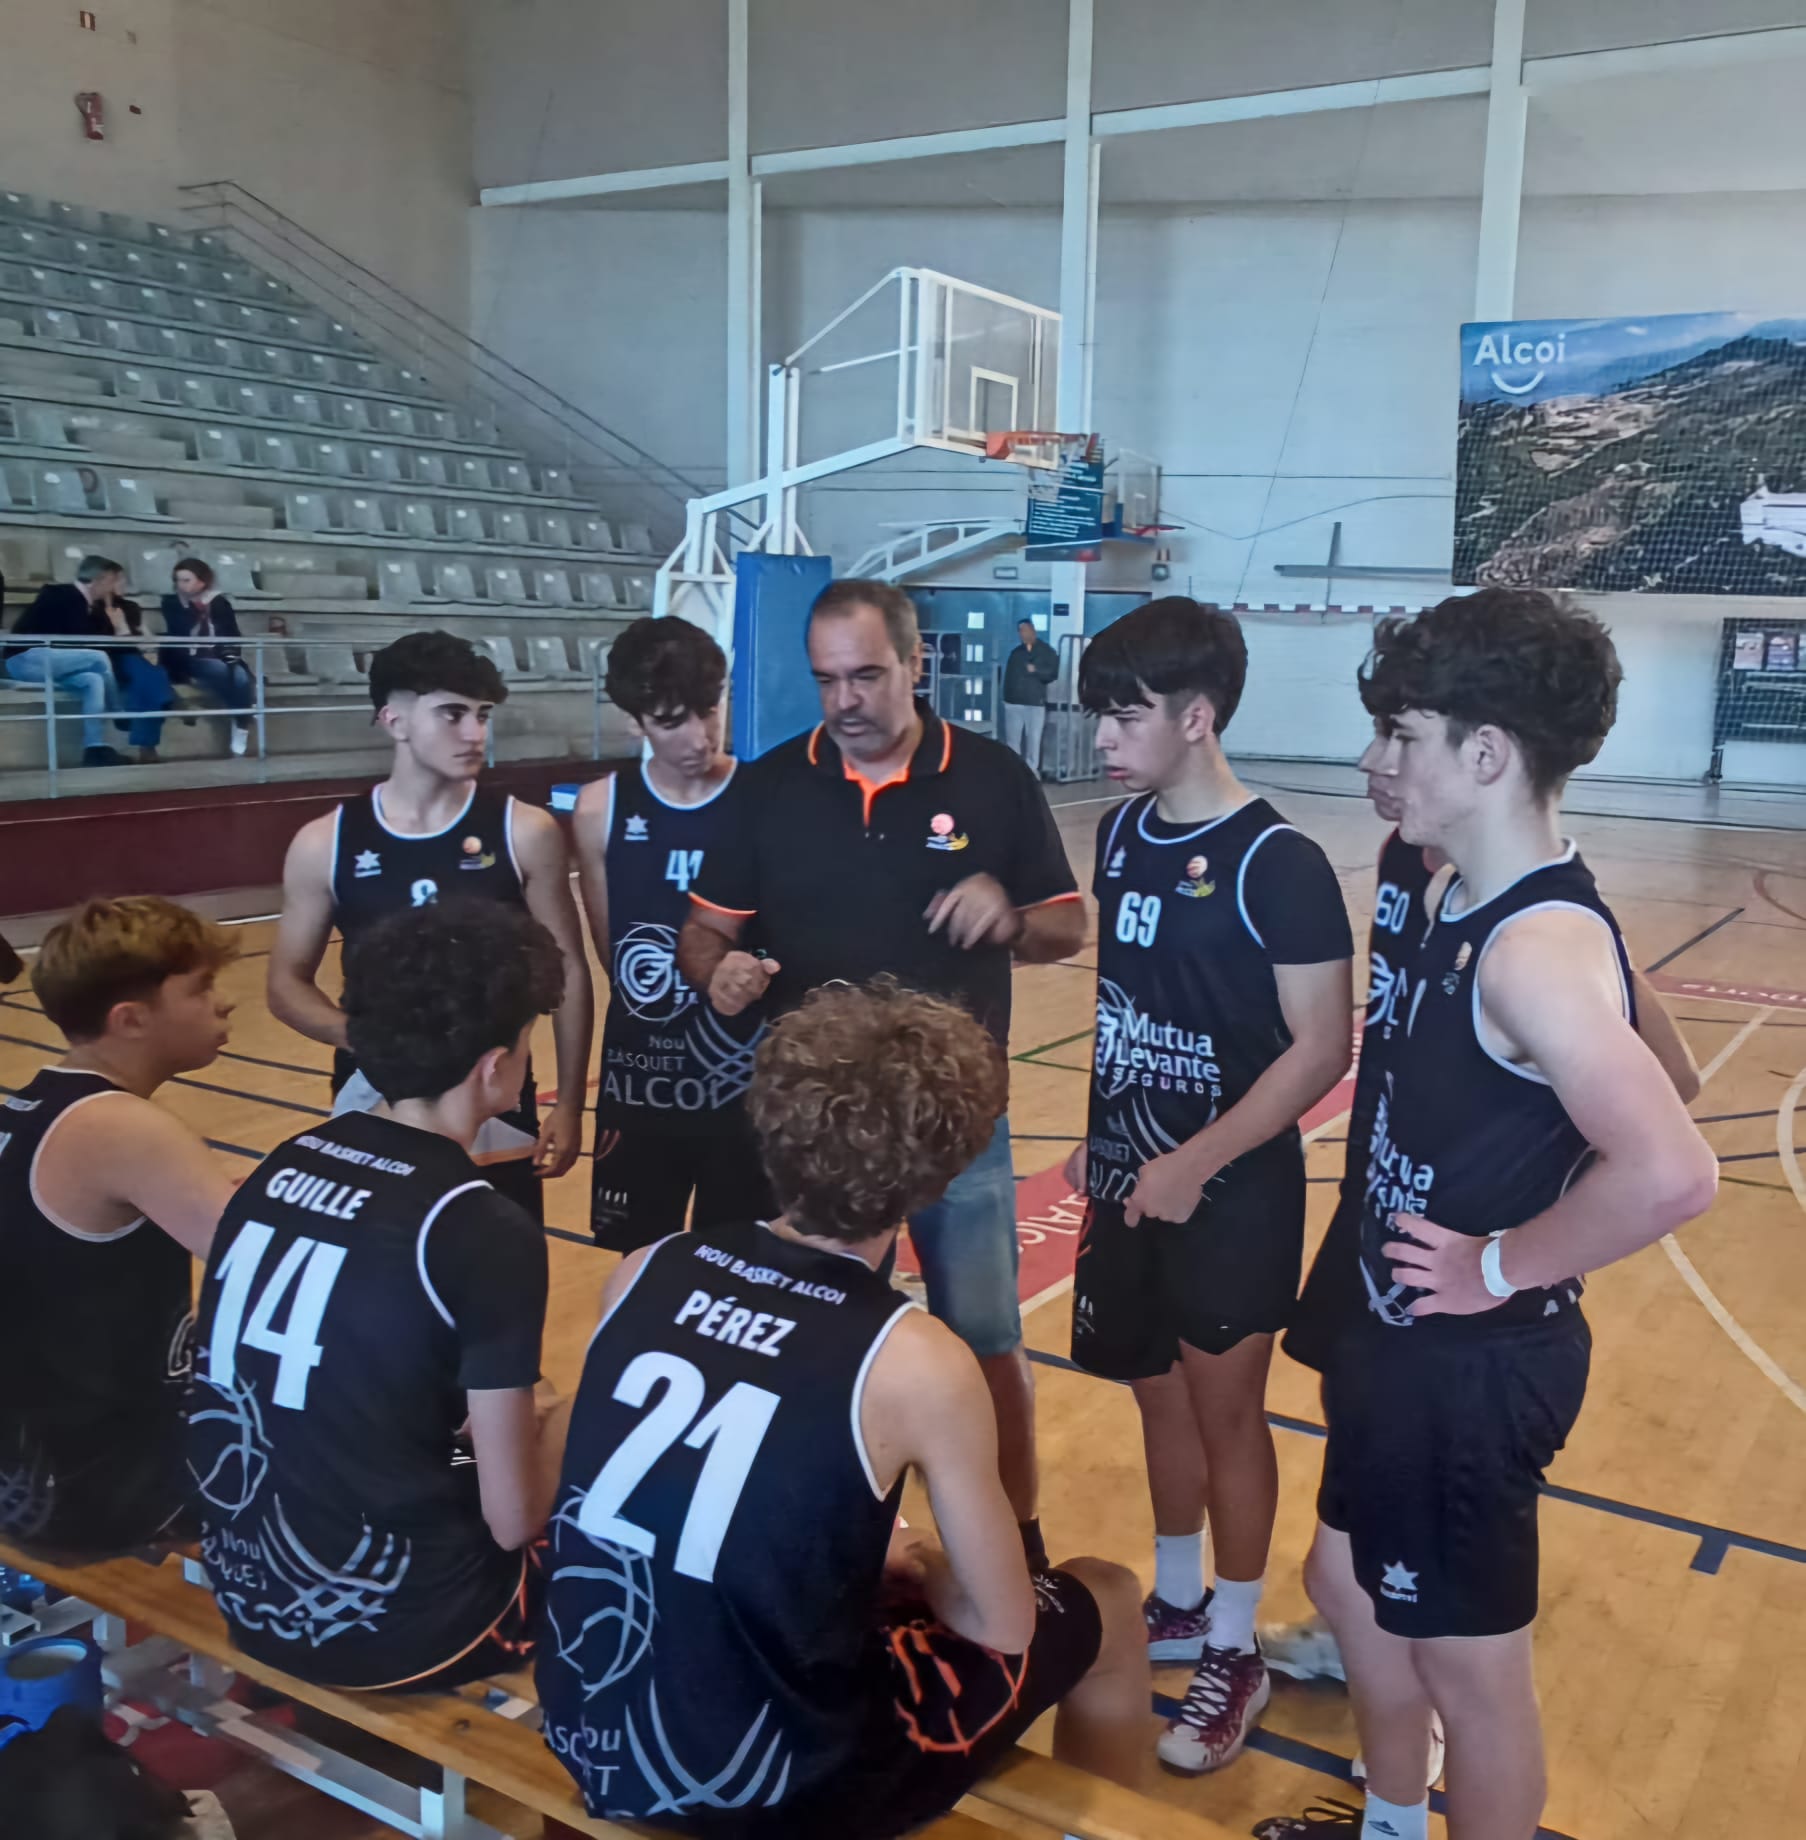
column 1660, row 455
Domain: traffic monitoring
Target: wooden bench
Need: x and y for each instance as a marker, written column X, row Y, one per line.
column 469, row 1737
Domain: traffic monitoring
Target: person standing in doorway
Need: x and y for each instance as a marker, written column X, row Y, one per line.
column 888, row 841
column 1027, row 672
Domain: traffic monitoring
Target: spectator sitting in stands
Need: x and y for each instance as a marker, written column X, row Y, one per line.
column 143, row 683
column 67, row 610
column 198, row 610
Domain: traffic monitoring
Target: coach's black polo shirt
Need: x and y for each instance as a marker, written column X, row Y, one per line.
column 834, row 875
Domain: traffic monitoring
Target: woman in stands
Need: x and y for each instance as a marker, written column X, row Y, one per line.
column 197, row 610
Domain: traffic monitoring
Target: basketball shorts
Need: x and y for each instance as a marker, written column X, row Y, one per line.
column 1229, row 1272
column 515, row 1176
column 507, row 1645
column 1333, row 1297
column 958, row 1708
column 1439, row 1435
column 646, row 1185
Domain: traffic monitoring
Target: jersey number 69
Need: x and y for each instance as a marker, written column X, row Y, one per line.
column 1137, row 918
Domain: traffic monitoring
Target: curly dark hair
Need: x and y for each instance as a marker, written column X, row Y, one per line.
column 666, row 669
column 868, row 1101
column 1542, row 669
column 430, row 990
column 419, row 663
column 1173, row 647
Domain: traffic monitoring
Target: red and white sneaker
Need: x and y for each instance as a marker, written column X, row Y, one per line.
column 1224, row 1702
column 1174, row 1634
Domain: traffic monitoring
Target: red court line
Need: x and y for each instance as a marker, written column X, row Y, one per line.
column 1758, row 996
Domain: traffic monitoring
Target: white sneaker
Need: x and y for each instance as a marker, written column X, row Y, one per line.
column 1305, row 1651
column 1439, row 1750
column 241, row 739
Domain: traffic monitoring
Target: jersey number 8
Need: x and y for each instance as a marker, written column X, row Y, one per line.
column 1137, row 918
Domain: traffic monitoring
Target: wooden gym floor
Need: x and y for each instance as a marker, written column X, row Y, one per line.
column 1672, row 1648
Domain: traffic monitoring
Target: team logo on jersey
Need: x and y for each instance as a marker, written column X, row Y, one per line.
column 636, row 828
column 16, row 1104
column 1399, row 1584
column 368, row 863
column 475, row 856
column 1194, row 884
column 424, row 892
column 646, row 976
column 1451, row 980
column 1118, row 858
column 942, row 835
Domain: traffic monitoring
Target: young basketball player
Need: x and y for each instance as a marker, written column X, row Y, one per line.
column 427, row 832
column 734, row 1634
column 1523, row 1136
column 368, row 1294
column 104, row 1200
column 1223, row 1015
column 669, row 1123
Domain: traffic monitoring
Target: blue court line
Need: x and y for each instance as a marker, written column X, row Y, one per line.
column 1688, row 945
column 1760, row 1156
column 576, row 1239
column 1714, row 1542
column 1326, row 1763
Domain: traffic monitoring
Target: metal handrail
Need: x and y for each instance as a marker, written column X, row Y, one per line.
column 319, row 269
column 259, row 709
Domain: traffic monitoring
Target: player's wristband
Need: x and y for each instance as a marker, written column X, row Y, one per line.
column 1490, row 1271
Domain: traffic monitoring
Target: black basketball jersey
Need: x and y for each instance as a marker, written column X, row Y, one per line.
column 1459, row 1135
column 717, row 1547
column 1191, row 921
column 376, row 870
column 669, row 1061
column 93, row 1352
column 1400, row 919
column 362, row 1281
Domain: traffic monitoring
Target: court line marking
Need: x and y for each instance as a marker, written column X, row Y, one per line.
column 1784, row 1115
column 1697, row 939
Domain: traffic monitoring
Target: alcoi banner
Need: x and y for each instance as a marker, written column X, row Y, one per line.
column 1662, row 455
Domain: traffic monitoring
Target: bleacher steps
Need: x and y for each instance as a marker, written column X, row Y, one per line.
column 211, row 511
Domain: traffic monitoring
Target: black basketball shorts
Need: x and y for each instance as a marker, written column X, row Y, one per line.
column 1333, row 1297
column 643, row 1182
column 1229, row 1272
column 1439, row 1435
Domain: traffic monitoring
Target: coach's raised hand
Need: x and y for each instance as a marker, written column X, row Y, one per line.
column 739, row 981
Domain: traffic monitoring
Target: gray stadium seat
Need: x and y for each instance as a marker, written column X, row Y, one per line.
column 363, row 374
column 473, row 475
column 555, row 530
column 484, row 429
column 159, row 302
column 437, row 424
column 592, row 651
column 380, row 463
column 636, row 592
column 364, row 514
column 500, row 651
column 464, row 524
column 175, row 347
column 6, row 495
column 594, row 533
column 274, row 360
column 60, row 488
column 232, row 573
column 351, row 412
column 249, row 399
column 229, row 354
column 116, row 334
column 202, row 393
column 41, row 424
column 333, row 664
column 330, row 457
column 505, row 584
column 400, row 582
column 218, row 447
column 137, row 385
column 101, row 295
column 511, row 476
column 546, row 657
column 456, row 582
column 308, row 511
column 132, row 498
column 302, row 406
column 71, row 217
column 55, row 323
column 148, row 566
column 278, row 453
column 552, row 588
column 510, row 526
column 637, row 538
column 555, row 481
column 598, row 587
column 430, row 470
column 395, row 418
column 315, row 367
column 416, row 520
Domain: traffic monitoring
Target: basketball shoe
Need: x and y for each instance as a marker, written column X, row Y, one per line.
column 1226, row 1697
column 1174, row 1634
column 1320, row 1821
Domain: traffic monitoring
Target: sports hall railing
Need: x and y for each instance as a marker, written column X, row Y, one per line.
column 534, row 416
column 51, row 703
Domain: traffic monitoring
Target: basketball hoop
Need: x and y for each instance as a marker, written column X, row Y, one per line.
column 1037, row 447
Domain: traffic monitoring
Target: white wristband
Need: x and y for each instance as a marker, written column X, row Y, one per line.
column 1495, row 1279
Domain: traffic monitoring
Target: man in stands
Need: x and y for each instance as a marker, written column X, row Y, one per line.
column 736, row 1619
column 430, row 831
column 670, row 1128
column 346, row 1538
column 1519, row 1065
column 72, row 610
column 104, row 1200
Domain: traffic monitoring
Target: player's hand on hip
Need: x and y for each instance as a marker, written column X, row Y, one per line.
column 739, row 981
column 1168, row 1188
column 1074, row 1172
column 560, row 1140
column 1444, row 1265
column 975, row 912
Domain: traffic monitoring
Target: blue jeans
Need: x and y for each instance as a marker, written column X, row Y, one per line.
column 146, row 687
column 230, row 685
column 967, row 1244
column 84, row 674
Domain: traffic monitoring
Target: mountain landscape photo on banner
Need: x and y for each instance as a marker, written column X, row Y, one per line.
column 1662, row 455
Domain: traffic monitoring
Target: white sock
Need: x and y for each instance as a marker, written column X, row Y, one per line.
column 1179, row 1569
column 1231, row 1616
column 1388, row 1821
